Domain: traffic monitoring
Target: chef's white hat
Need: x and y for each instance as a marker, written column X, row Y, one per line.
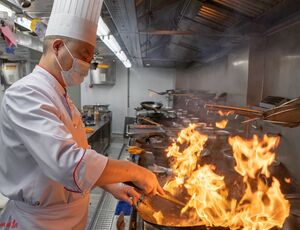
column 76, row 19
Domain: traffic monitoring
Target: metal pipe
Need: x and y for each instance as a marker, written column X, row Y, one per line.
column 128, row 90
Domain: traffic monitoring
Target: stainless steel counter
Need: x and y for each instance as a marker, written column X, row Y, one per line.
column 100, row 138
column 97, row 127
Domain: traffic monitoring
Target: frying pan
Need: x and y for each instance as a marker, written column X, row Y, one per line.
column 172, row 221
column 175, row 222
column 147, row 206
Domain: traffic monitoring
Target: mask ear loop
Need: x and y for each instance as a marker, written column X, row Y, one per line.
column 58, row 63
column 69, row 51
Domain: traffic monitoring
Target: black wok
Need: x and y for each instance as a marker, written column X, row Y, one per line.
column 151, row 105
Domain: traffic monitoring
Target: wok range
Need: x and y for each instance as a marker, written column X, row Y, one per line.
column 219, row 156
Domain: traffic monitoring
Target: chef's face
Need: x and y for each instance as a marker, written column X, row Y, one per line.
column 78, row 49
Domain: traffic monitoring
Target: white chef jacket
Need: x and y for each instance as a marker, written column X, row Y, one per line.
column 46, row 166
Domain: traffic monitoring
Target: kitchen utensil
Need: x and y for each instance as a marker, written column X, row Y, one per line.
column 171, row 199
column 163, row 196
column 136, row 131
column 287, row 114
column 158, row 93
column 151, row 105
column 171, row 92
column 150, row 121
column 241, row 111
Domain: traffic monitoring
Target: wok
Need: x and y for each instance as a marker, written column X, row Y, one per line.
column 172, row 221
column 151, row 105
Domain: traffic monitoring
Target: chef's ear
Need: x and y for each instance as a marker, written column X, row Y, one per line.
column 57, row 45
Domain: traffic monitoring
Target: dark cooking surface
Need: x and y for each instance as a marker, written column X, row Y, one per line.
column 217, row 152
column 155, row 227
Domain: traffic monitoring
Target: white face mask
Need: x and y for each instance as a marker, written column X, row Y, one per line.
column 77, row 73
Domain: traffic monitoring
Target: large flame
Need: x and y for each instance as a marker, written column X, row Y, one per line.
column 185, row 162
column 261, row 207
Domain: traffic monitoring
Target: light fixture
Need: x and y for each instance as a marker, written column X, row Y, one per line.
column 102, row 28
column 127, row 64
column 112, row 43
column 109, row 40
column 122, row 56
column 3, row 8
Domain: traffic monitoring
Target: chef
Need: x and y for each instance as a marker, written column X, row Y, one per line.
column 47, row 168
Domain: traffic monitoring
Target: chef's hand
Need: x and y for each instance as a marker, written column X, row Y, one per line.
column 123, row 192
column 148, row 183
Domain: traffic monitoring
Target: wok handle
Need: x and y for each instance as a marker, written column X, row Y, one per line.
column 151, row 122
column 242, row 111
column 165, row 196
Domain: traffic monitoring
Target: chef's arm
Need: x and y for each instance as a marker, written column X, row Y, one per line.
column 124, row 171
column 35, row 119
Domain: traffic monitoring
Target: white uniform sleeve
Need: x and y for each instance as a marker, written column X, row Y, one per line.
column 35, row 119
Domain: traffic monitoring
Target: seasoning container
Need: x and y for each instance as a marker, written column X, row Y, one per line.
column 97, row 116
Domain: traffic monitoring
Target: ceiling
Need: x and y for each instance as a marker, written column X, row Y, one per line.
column 171, row 33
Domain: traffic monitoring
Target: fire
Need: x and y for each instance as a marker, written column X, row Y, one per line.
column 158, row 217
column 208, row 196
column 185, row 162
column 261, row 207
column 253, row 156
column 288, row 180
column 222, row 124
column 225, row 114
